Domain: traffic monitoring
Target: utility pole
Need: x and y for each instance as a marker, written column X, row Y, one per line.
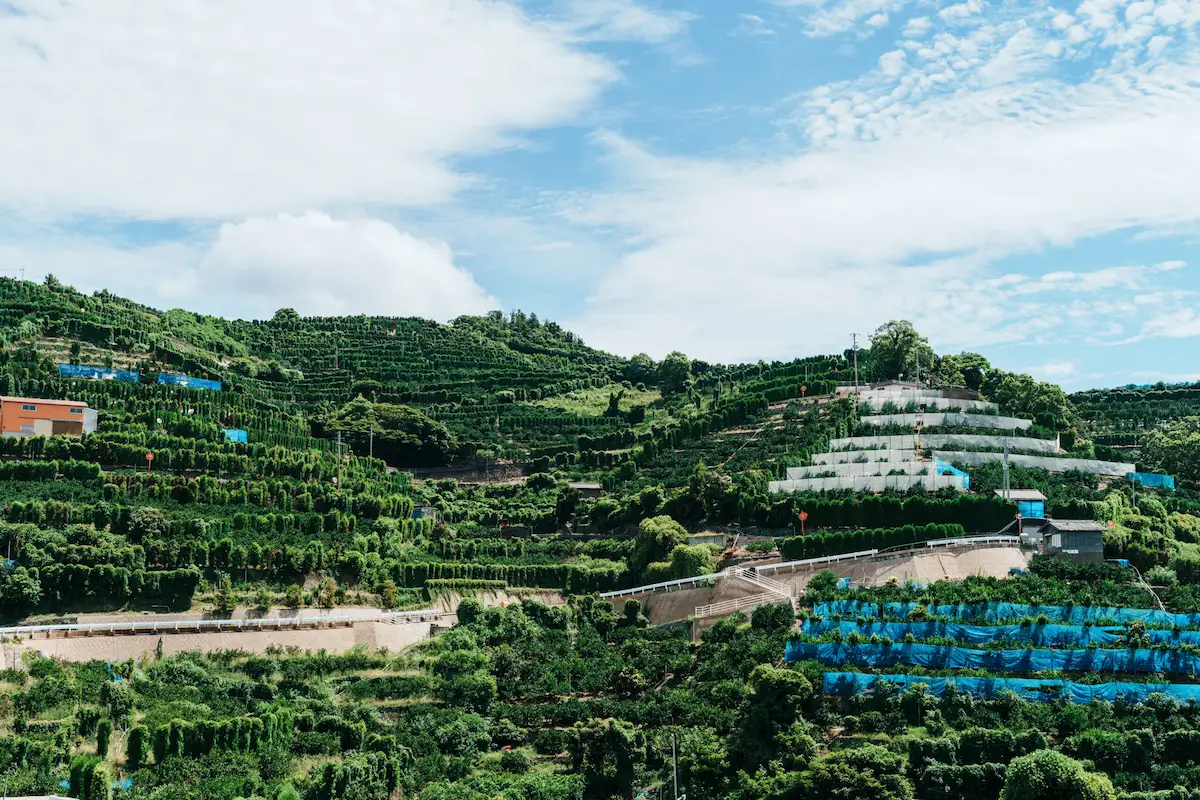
column 675, row 765
column 371, row 441
column 339, row 460
column 1006, row 487
column 918, row 362
column 854, row 340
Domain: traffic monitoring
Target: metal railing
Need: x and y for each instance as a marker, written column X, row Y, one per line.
column 737, row 604
column 157, row 626
column 762, row 581
column 808, row 562
column 652, row 587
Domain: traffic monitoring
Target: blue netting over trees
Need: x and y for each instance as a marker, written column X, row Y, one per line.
column 995, row 612
column 97, row 373
column 846, row 683
column 1044, row 635
column 176, row 379
column 1153, row 479
column 1137, row 660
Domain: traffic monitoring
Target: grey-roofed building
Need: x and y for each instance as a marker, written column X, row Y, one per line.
column 1078, row 540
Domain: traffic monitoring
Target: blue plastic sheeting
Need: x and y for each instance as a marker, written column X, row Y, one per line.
column 1031, row 509
column 945, row 468
column 234, row 435
column 175, row 379
column 1041, row 635
column 1153, row 479
column 1028, row 660
column 1075, row 615
column 843, row 583
column 97, row 373
column 1037, row 690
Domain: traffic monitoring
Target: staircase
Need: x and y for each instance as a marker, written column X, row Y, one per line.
column 761, row 581
column 775, row 590
column 726, row 607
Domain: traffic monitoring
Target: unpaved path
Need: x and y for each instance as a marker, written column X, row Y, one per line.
column 393, row 636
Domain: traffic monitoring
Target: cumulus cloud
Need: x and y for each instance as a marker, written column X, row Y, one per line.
column 223, row 109
column 312, row 262
column 625, row 20
column 324, row 266
column 962, row 149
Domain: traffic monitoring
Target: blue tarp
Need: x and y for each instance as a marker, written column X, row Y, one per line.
column 945, row 468
column 176, row 379
column 1041, row 635
column 1031, row 509
column 1044, row 690
column 995, row 612
column 1153, row 479
column 1027, row 660
column 97, row 373
column 234, row 435
column 843, row 583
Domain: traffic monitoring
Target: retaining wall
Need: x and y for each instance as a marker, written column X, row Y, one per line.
column 958, row 420
column 1041, row 462
column 872, row 456
column 869, row 483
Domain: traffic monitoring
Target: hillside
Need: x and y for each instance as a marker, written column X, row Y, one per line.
column 581, row 472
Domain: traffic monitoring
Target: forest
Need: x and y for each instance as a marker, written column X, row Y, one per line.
column 396, row 463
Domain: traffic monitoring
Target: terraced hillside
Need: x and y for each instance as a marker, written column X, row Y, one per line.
column 319, row 476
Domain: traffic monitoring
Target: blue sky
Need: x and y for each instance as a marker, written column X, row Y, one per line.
column 738, row 181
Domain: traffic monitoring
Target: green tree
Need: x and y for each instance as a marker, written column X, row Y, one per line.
column 103, row 735
column 895, row 349
column 137, row 746
column 224, row 601
column 861, row 773
column 675, row 373
column 20, row 589
column 327, row 594
column 1174, row 448
column 640, row 369
column 389, row 597
column 119, row 698
column 606, row 753
column 656, row 537
column 403, row 436
column 688, row 561
column 1050, row 775
column 293, row 597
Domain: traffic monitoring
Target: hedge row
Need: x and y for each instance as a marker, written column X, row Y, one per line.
column 827, row 544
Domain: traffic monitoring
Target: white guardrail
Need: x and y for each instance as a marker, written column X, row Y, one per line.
column 652, row 587
column 810, row 562
column 737, row 604
column 156, row 626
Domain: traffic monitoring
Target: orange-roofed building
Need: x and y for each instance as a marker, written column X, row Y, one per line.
column 27, row 416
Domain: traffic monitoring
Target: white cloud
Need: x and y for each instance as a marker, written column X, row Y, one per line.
column 324, row 266
column 917, row 177
column 960, row 11
column 311, row 262
column 225, row 109
column 1179, row 324
column 625, row 20
column 892, row 63
column 1053, row 370
column 752, row 25
column 830, row 17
